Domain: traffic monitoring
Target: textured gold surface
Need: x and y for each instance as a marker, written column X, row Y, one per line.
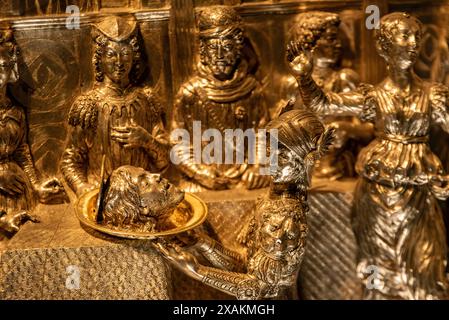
column 33, row 265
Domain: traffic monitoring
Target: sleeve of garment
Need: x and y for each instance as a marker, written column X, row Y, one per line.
column 22, row 155
column 181, row 124
column 158, row 148
column 440, row 106
column 75, row 158
column 352, row 103
column 82, row 121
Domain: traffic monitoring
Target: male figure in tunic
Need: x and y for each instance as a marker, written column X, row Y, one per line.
column 118, row 118
column 320, row 29
column 222, row 95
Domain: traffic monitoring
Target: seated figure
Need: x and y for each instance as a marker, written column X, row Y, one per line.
column 223, row 95
column 118, row 118
column 20, row 184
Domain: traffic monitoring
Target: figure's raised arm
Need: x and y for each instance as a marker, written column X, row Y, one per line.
column 325, row 103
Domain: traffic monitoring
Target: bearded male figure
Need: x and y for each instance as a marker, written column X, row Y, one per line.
column 223, row 95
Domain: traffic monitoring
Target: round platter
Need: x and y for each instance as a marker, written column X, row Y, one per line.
column 192, row 207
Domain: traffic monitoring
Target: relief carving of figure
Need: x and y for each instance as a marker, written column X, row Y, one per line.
column 118, row 118
column 319, row 31
column 397, row 220
column 275, row 237
column 224, row 94
column 21, row 186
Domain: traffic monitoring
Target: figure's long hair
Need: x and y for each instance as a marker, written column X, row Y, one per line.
column 122, row 204
column 139, row 56
column 7, row 41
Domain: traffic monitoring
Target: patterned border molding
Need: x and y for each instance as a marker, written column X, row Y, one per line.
column 59, row 21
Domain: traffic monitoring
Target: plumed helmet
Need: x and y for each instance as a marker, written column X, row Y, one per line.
column 302, row 132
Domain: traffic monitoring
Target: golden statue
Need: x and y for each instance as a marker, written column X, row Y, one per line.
column 224, row 94
column 397, row 220
column 319, row 30
column 117, row 118
column 275, row 237
column 20, row 184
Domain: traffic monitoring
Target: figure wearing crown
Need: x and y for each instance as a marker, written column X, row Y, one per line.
column 224, row 94
column 117, row 118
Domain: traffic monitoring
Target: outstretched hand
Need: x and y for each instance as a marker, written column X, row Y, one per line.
column 182, row 259
column 12, row 222
column 211, row 178
column 300, row 59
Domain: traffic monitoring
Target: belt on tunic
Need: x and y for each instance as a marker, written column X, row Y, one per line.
column 403, row 139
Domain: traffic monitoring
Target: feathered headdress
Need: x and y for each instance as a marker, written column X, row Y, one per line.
column 303, row 133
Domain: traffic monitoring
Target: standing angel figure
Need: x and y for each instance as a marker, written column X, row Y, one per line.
column 20, row 185
column 117, row 118
column 277, row 232
column 397, row 221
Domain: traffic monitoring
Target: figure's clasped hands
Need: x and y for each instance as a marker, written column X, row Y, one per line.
column 131, row 136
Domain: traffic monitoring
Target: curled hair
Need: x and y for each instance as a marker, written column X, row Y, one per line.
column 122, row 204
column 309, row 26
column 388, row 24
column 7, row 42
column 138, row 66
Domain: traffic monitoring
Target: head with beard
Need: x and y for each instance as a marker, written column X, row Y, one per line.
column 138, row 200
column 221, row 40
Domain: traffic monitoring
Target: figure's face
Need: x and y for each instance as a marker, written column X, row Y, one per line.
column 289, row 169
column 221, row 54
column 280, row 234
column 328, row 47
column 117, row 61
column 405, row 44
column 5, row 67
column 158, row 196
